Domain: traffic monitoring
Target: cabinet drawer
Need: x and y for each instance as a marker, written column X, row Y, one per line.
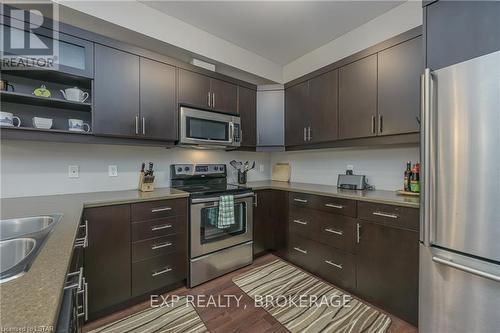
column 302, row 200
column 158, row 246
column 336, row 205
column 158, row 228
column 301, row 252
column 396, row 216
column 158, row 209
column 302, row 221
column 337, row 231
column 336, row 266
column 158, row 272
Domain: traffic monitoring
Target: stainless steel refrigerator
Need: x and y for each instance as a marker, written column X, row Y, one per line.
column 460, row 210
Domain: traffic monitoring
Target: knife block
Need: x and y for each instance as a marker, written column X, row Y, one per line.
column 143, row 186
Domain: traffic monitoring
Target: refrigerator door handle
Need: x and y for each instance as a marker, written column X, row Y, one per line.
column 465, row 268
column 427, row 158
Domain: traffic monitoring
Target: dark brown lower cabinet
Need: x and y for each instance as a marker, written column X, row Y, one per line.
column 387, row 269
column 107, row 256
column 270, row 221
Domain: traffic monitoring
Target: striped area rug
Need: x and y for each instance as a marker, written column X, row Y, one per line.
column 178, row 318
column 282, row 284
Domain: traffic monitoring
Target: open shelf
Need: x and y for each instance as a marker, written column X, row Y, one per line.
column 14, row 97
column 33, row 129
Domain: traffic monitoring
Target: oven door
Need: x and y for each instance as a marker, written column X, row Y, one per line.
column 207, row 237
column 198, row 127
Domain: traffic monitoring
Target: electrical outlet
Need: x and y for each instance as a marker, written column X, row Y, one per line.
column 261, row 167
column 112, row 170
column 73, row 171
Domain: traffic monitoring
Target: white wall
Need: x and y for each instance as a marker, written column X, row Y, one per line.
column 384, row 167
column 398, row 20
column 38, row 168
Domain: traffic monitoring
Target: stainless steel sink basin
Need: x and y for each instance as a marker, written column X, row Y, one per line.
column 12, row 228
column 14, row 251
column 20, row 242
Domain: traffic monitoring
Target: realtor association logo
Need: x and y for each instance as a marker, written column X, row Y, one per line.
column 30, row 35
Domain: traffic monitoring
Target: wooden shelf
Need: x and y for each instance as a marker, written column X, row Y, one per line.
column 32, row 129
column 14, row 97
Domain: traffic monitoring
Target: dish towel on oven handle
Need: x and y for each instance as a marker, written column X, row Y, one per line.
column 226, row 212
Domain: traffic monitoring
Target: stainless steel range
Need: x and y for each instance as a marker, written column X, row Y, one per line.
column 214, row 249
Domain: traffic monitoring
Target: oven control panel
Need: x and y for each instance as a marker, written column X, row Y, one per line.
column 180, row 170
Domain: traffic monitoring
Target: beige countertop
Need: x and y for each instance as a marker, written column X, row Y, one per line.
column 33, row 299
column 377, row 196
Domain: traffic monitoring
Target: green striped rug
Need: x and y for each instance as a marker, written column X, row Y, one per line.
column 178, row 318
column 283, row 284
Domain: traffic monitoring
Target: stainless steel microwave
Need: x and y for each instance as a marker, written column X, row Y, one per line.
column 207, row 129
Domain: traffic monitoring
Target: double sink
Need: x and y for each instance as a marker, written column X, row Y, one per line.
column 20, row 242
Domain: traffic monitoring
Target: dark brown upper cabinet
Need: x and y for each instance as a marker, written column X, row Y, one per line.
column 107, row 256
column 399, row 70
column 116, row 92
column 297, row 114
column 323, row 107
column 158, row 109
column 456, row 31
column 204, row 92
column 247, row 108
column 358, row 98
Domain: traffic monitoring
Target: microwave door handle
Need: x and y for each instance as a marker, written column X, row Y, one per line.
column 231, row 132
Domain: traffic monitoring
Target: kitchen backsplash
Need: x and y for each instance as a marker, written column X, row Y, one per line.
column 384, row 167
column 39, row 168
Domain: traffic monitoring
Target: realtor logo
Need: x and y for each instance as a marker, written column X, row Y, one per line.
column 30, row 35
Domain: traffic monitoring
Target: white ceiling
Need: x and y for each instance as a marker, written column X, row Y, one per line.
column 280, row 31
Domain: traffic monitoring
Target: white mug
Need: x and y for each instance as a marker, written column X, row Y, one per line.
column 77, row 125
column 7, row 119
column 74, row 94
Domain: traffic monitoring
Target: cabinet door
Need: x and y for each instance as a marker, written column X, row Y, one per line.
column 358, row 98
column 194, row 89
column 323, row 96
column 399, row 70
column 278, row 235
column 261, row 220
column 247, row 108
column 116, row 92
column 107, row 256
column 457, row 31
column 224, row 96
column 387, row 272
column 158, row 107
column 296, row 114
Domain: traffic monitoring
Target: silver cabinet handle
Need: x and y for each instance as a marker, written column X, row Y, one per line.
column 209, row 99
column 160, row 246
column 392, row 216
column 334, row 206
column 336, row 232
column 300, row 250
column 358, row 236
column 300, row 200
column 305, row 133
column 380, row 119
column 162, row 209
column 163, row 271
column 309, row 135
column 85, row 312
column 339, row 266
column 143, row 125
column 373, row 124
column 77, row 285
column 136, row 124
column 256, row 200
column 160, row 227
column 300, row 222
column 83, row 242
column 213, row 100
column 466, row 268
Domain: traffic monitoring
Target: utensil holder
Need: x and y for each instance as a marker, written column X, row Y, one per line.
column 145, row 187
column 242, row 177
